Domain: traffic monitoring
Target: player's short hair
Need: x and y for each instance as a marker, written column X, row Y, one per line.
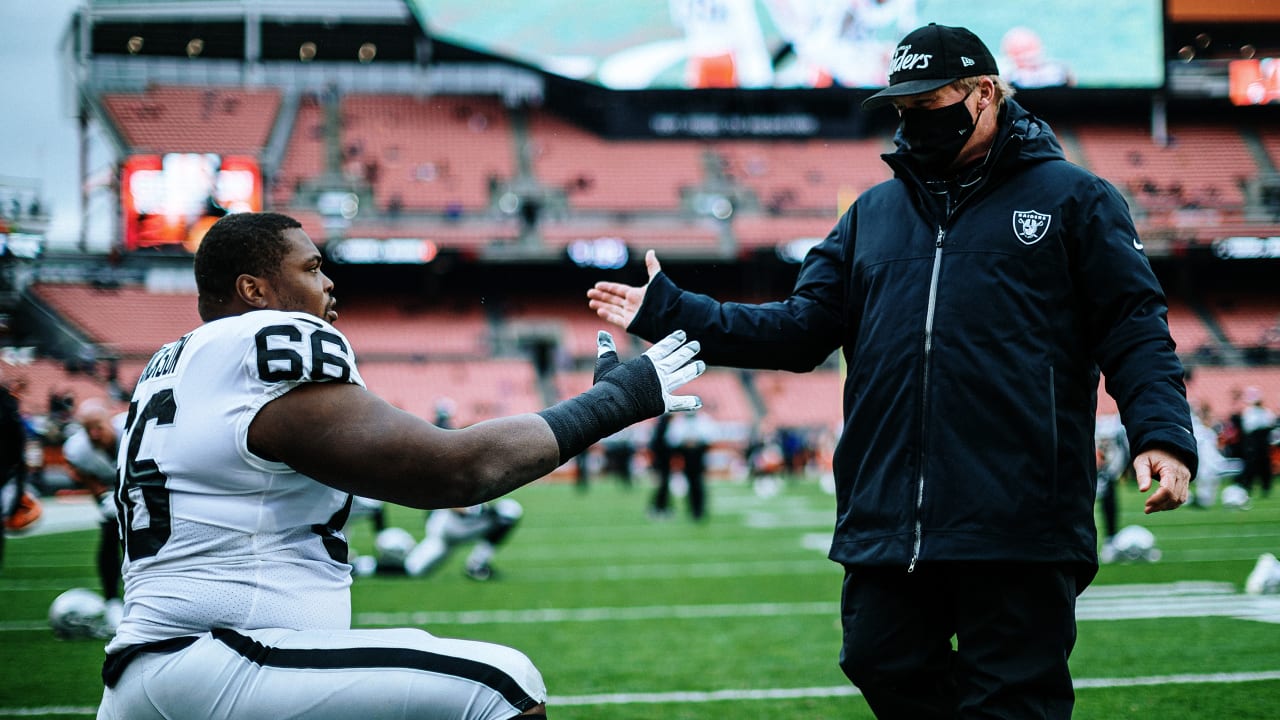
column 240, row 243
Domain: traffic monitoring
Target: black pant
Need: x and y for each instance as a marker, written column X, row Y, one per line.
column 1110, row 508
column 1257, row 461
column 660, row 461
column 1013, row 625
column 695, row 471
column 109, row 558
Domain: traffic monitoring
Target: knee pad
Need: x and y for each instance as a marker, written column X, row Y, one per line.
column 426, row 556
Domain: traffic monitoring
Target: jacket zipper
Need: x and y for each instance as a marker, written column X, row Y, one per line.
column 924, row 393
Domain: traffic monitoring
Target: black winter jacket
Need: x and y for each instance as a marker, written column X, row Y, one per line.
column 973, row 340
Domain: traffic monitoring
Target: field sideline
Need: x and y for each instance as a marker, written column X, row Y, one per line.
column 736, row 617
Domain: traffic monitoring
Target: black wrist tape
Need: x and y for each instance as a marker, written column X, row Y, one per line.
column 625, row 395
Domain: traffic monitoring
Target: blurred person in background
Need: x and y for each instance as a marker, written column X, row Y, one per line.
column 1024, row 64
column 13, row 445
column 91, row 450
column 976, row 296
column 1113, row 464
column 1214, row 466
column 841, row 42
column 619, row 452
column 1257, row 422
column 724, row 43
column 660, row 456
column 487, row 525
column 689, row 438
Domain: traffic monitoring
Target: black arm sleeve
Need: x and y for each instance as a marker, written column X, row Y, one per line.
column 625, row 395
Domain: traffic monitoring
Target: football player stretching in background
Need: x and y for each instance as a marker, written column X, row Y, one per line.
column 245, row 441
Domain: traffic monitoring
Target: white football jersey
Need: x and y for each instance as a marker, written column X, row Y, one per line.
column 214, row 535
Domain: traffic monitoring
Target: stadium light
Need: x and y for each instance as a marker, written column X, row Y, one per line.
column 391, row 251
column 606, row 253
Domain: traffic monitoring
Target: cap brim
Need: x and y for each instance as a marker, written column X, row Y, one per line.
column 910, row 87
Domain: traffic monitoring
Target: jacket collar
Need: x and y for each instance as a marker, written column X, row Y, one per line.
column 1021, row 139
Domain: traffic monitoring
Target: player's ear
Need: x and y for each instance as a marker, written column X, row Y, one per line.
column 252, row 290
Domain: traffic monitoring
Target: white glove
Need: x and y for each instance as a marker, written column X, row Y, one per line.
column 671, row 362
column 672, row 356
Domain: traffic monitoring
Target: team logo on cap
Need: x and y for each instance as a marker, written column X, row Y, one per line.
column 904, row 59
column 1030, row 226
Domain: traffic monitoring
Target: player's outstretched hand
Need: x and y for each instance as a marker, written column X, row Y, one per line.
column 618, row 303
column 672, row 360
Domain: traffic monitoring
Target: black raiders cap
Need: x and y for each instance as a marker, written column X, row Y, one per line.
column 929, row 58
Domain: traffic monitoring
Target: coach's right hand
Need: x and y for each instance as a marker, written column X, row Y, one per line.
column 618, row 303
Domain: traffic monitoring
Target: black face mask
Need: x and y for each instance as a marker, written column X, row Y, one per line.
column 935, row 137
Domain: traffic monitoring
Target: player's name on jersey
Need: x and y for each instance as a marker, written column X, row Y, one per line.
column 165, row 359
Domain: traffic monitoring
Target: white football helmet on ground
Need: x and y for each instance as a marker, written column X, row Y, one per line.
column 1235, row 497
column 79, row 613
column 1135, row 543
column 392, row 546
column 1265, row 578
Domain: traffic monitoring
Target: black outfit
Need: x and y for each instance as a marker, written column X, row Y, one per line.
column 660, row 461
column 695, row 471
column 1016, row 621
column 618, row 452
column 689, row 441
column 109, row 558
column 1110, row 506
column 1255, row 448
column 13, row 441
column 974, row 316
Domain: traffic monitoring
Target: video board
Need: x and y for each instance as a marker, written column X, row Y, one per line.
column 169, row 201
column 1255, row 81
column 760, row 44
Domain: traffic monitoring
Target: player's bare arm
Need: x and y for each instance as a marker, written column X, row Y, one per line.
column 348, row 438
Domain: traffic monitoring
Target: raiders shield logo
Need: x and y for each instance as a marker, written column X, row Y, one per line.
column 1030, row 226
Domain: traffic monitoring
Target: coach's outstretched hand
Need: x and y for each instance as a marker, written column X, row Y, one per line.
column 618, row 303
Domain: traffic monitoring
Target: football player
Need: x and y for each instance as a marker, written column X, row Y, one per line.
column 91, row 453
column 245, row 441
column 487, row 524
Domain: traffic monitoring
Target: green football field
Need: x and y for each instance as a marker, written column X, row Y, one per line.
column 629, row 618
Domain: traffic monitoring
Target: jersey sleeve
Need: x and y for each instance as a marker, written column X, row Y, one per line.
column 285, row 351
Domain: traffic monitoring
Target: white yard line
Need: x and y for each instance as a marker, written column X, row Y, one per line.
column 1099, row 603
column 1105, row 602
column 688, row 697
column 849, row 690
